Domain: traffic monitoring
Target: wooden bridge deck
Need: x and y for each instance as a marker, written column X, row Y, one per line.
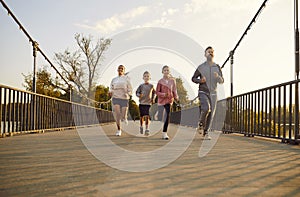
column 58, row 164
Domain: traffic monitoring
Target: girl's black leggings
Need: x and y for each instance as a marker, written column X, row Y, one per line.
column 164, row 115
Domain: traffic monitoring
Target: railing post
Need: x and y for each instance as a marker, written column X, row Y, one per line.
column 231, row 73
column 231, row 89
column 35, row 49
column 70, row 92
column 296, row 70
column 297, row 111
column 33, row 99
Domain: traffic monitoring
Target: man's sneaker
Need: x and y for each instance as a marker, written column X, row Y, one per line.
column 118, row 133
column 206, row 136
column 141, row 130
column 165, row 136
column 147, row 132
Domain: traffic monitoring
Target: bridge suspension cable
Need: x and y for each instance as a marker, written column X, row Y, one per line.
column 231, row 53
column 36, row 49
column 245, row 32
column 34, row 43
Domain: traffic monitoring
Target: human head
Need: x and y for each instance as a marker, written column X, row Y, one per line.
column 209, row 53
column 146, row 76
column 166, row 71
column 121, row 70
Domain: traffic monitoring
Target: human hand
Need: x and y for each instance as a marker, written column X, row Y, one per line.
column 141, row 95
column 203, row 80
column 166, row 94
column 216, row 74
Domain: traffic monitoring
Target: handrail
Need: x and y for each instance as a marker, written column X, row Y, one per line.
column 23, row 111
column 263, row 89
column 269, row 112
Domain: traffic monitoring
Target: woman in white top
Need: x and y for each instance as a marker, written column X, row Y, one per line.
column 120, row 91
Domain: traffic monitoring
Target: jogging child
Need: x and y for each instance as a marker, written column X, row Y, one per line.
column 146, row 95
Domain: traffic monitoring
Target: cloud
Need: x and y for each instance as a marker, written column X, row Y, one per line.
column 134, row 13
column 164, row 14
column 109, row 24
column 193, row 6
column 115, row 22
column 196, row 6
column 163, row 21
column 156, row 14
column 170, row 12
column 163, row 18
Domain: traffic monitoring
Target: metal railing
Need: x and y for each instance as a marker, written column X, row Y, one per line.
column 23, row 111
column 268, row 112
column 271, row 112
column 189, row 116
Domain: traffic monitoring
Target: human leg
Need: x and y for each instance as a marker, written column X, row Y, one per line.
column 205, row 109
column 213, row 104
column 117, row 115
column 124, row 114
column 167, row 117
column 141, row 124
column 147, row 121
column 167, row 108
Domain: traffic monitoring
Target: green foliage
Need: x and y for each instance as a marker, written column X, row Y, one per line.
column 80, row 68
column 101, row 95
column 182, row 92
column 133, row 110
column 45, row 84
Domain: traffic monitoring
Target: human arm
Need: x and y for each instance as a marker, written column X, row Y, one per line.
column 197, row 77
column 129, row 87
column 159, row 90
column 219, row 76
column 138, row 92
column 153, row 95
column 110, row 92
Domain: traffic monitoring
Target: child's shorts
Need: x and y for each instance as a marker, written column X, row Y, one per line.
column 144, row 110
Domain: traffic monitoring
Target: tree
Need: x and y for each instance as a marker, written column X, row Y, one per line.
column 81, row 67
column 45, row 84
column 101, row 95
column 182, row 92
column 133, row 109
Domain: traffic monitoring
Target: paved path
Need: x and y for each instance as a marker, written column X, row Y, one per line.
column 58, row 164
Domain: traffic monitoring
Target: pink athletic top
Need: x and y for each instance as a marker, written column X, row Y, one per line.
column 166, row 85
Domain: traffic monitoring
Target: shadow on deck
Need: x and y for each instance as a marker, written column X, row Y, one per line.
column 58, row 163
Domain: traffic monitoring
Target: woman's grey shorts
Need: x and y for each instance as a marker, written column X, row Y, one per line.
column 121, row 102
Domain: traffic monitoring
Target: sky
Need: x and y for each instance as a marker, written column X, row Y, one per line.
column 264, row 58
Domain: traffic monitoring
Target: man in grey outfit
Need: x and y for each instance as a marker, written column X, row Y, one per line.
column 207, row 75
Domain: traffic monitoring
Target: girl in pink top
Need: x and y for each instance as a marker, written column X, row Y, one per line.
column 166, row 92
